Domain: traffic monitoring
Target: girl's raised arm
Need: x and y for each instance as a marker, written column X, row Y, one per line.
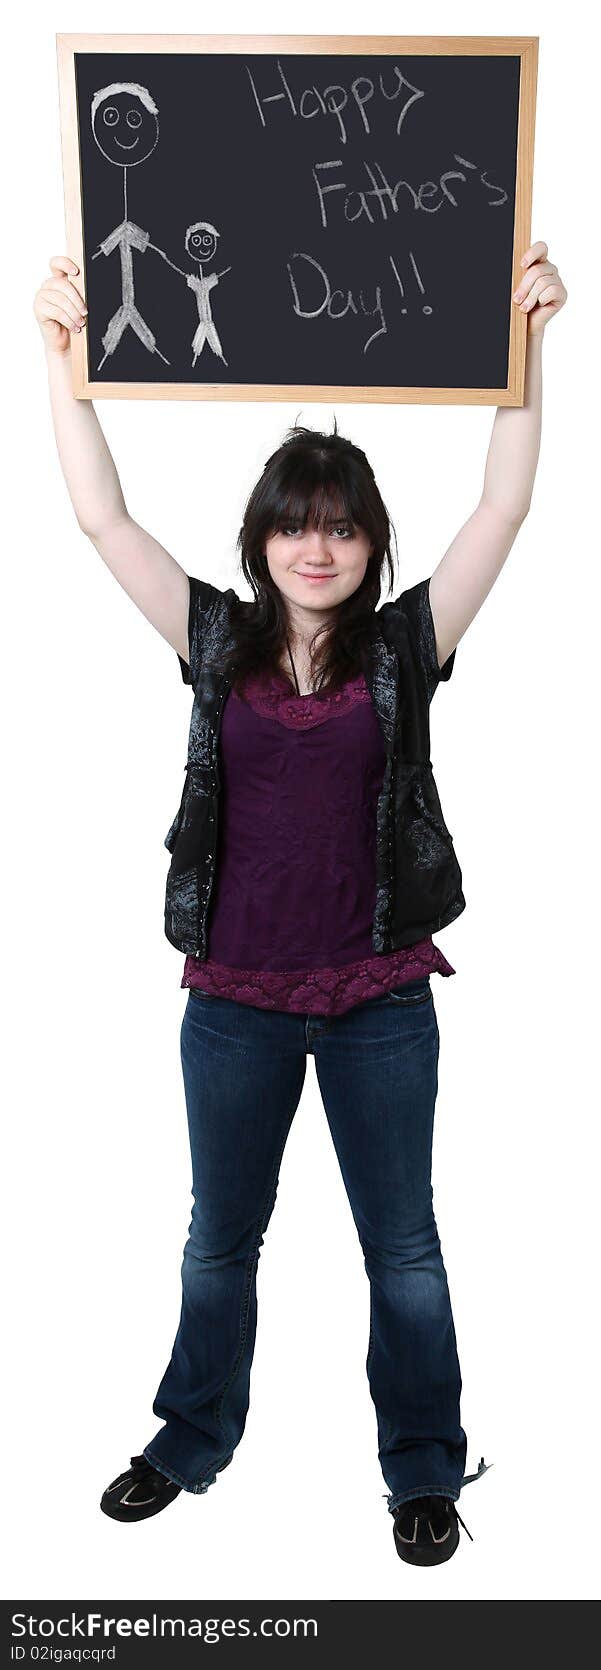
column 474, row 560
column 156, row 583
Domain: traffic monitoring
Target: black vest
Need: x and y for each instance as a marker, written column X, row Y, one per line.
column 418, row 879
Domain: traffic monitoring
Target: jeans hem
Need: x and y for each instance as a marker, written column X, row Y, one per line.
column 176, row 1478
column 397, row 1497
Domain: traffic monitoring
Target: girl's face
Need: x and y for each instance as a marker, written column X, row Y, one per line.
column 316, row 568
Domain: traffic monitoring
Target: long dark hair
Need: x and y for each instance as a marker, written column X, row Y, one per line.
column 311, row 477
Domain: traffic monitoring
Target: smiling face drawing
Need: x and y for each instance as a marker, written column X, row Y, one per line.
column 201, row 241
column 125, row 123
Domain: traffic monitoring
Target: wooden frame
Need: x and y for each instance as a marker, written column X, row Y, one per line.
column 526, row 48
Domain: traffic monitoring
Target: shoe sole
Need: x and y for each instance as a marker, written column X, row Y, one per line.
column 124, row 1514
column 139, row 1510
column 434, row 1556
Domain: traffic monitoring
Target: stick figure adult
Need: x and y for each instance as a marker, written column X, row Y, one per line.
column 126, row 129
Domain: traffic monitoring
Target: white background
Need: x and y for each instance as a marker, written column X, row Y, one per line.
column 96, row 718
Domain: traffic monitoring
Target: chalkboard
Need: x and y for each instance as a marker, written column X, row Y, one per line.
column 326, row 217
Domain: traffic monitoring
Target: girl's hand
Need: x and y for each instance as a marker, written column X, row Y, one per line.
column 59, row 306
column 541, row 292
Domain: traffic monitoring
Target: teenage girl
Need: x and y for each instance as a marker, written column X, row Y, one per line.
column 290, row 966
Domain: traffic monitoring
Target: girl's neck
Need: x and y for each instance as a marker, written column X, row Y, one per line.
column 302, row 666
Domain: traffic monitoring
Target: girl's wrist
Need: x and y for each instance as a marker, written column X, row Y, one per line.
column 57, row 353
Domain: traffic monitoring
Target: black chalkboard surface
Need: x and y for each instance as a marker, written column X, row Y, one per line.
column 266, row 223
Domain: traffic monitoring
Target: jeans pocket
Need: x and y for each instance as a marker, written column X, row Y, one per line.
column 414, row 992
column 200, row 995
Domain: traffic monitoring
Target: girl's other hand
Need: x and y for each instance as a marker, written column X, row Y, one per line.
column 59, row 306
column 540, row 292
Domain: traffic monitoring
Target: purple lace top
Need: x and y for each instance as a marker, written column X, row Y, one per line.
column 293, row 899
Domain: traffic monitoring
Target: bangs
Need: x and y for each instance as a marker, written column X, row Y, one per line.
column 304, row 498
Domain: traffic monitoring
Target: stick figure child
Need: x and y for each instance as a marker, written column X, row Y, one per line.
column 201, row 245
column 126, row 129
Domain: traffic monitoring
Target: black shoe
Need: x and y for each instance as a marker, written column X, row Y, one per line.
column 139, row 1492
column 426, row 1530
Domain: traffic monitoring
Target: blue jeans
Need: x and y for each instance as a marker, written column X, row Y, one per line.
column 377, row 1069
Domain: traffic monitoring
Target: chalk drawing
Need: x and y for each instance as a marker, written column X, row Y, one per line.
column 125, row 125
column 201, row 245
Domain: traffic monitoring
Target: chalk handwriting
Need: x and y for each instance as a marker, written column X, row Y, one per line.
column 337, row 303
column 335, row 98
column 358, row 201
